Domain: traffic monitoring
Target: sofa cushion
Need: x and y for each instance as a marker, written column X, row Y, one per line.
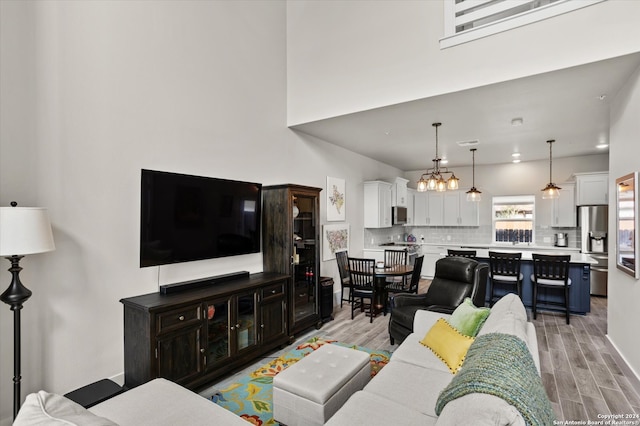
column 508, row 323
column 412, row 386
column 509, row 303
column 411, row 351
column 365, row 408
column 448, row 344
column 484, row 409
column 161, row 402
column 468, row 319
column 52, row 409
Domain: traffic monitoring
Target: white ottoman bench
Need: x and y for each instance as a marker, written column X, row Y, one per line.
column 314, row 388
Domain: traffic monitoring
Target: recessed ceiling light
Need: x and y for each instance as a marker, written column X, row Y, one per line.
column 515, row 155
column 601, row 97
column 444, row 161
column 517, row 121
column 602, row 145
column 516, row 160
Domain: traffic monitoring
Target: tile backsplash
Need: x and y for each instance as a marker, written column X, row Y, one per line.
column 544, row 236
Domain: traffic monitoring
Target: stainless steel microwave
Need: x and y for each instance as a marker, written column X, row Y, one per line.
column 399, row 215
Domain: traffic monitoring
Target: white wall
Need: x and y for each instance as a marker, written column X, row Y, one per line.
column 624, row 290
column 348, row 56
column 94, row 91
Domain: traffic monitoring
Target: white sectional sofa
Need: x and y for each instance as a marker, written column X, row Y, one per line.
column 405, row 391
column 155, row 403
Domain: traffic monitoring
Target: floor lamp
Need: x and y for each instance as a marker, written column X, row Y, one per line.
column 23, row 230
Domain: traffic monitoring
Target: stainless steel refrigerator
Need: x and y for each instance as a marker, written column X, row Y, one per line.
column 594, row 221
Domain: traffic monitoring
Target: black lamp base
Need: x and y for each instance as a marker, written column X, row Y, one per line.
column 15, row 295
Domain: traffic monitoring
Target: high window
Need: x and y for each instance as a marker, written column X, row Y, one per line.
column 466, row 20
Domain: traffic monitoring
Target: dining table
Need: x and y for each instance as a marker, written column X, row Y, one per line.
column 380, row 281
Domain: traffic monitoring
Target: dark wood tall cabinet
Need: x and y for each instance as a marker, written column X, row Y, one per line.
column 291, row 246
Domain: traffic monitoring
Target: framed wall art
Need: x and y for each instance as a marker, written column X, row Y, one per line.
column 627, row 224
column 335, row 237
column 336, row 199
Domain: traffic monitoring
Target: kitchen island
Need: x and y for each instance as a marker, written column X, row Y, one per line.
column 579, row 271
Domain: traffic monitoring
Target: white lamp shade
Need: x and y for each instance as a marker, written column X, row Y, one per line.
column 25, row 230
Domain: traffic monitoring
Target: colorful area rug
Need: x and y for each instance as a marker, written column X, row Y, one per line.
column 251, row 397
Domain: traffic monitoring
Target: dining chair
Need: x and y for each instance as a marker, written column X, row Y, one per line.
column 551, row 272
column 462, row 253
column 342, row 258
column 504, row 270
column 392, row 258
column 413, row 283
column 362, row 276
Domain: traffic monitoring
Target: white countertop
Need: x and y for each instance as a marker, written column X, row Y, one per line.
column 482, row 250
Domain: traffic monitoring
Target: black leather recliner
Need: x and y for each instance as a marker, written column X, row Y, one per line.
column 455, row 279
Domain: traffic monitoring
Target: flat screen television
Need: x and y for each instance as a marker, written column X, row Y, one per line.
column 185, row 218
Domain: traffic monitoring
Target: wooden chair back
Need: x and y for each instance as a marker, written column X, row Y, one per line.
column 462, row 253
column 395, row 257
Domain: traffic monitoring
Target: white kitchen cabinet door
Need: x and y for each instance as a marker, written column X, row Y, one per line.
column 564, row 207
column 435, row 210
column 378, row 255
column 377, row 204
column 469, row 212
column 399, row 192
column 411, row 193
column 458, row 211
column 420, row 202
column 451, row 205
column 431, row 256
column 592, row 188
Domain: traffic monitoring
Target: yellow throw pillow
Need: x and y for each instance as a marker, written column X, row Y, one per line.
column 448, row 344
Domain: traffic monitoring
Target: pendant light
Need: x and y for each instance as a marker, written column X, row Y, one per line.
column 435, row 181
column 550, row 191
column 473, row 194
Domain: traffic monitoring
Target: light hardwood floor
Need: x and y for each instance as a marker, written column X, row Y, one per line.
column 580, row 370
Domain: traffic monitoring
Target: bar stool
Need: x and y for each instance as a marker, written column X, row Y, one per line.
column 504, row 270
column 551, row 272
column 461, row 253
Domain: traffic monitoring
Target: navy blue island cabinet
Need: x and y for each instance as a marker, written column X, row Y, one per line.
column 579, row 293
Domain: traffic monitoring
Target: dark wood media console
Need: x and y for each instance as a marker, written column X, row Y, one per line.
column 194, row 336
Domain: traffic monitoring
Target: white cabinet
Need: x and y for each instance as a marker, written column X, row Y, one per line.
column 458, row 211
column 435, row 211
column 411, row 193
column 399, row 192
column 377, row 204
column 420, row 208
column 564, row 207
column 444, row 209
column 431, row 256
column 592, row 188
column 378, row 254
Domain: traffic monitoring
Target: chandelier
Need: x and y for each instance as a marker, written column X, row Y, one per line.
column 551, row 190
column 434, row 180
column 473, row 194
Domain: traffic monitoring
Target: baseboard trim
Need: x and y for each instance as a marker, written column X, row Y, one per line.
column 623, row 364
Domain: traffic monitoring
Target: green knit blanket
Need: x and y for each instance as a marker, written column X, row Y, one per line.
column 501, row 365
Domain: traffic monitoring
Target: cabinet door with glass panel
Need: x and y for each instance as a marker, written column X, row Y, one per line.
column 305, row 264
column 513, row 219
column 291, row 246
column 231, row 327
